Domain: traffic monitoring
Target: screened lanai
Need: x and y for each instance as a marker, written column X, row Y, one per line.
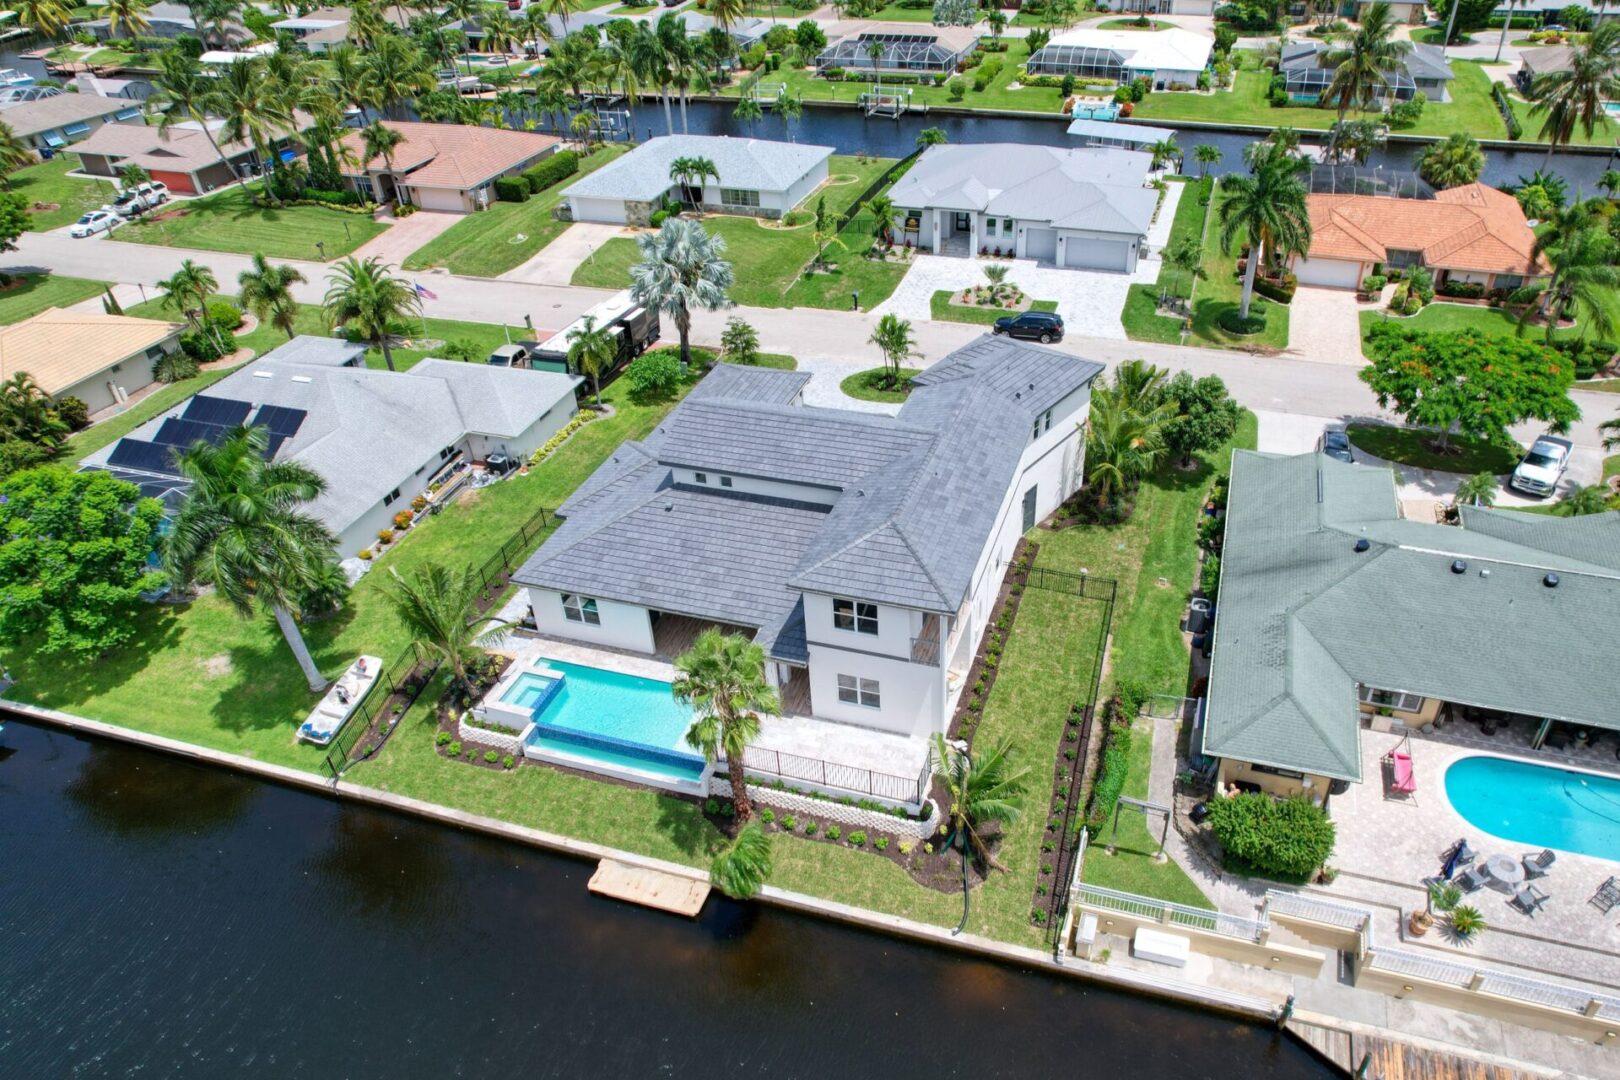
column 1309, row 83
column 920, row 51
column 1081, row 61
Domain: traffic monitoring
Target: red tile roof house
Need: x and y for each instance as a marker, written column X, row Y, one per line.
column 1472, row 234
column 445, row 166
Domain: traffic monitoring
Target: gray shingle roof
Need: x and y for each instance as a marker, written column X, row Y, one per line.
column 58, row 110
column 1303, row 617
column 751, row 164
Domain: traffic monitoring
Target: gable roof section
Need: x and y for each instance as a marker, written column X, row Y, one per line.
column 752, row 164
column 48, row 113
column 742, row 383
column 60, row 348
column 184, row 146
column 458, row 156
column 1473, row 227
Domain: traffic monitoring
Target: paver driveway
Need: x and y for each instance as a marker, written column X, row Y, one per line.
column 1325, row 325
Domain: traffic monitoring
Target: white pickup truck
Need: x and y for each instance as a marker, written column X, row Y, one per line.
column 1539, row 471
column 134, row 201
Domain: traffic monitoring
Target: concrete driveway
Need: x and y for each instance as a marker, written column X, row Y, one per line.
column 405, row 235
column 1325, row 325
column 555, row 263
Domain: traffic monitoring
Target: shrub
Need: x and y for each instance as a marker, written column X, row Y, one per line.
column 711, row 806
column 1374, row 283
column 834, row 832
column 385, row 536
column 1404, row 114
column 1066, row 86
column 175, row 366
column 403, row 519
column 1209, row 577
column 455, row 749
column 492, row 756
column 881, row 843
column 419, row 503
column 442, row 739
column 657, row 218
column 1233, row 323
column 958, row 88
column 1462, row 290
column 1285, row 838
column 507, row 762
column 73, row 412
column 225, row 315
column 512, row 189
column 654, row 374
column 557, row 167
column 810, row 828
column 788, row 822
column 858, row 838
column 1280, row 291
column 728, row 809
column 767, row 815
column 1588, row 357
column 365, row 554
column 1116, row 763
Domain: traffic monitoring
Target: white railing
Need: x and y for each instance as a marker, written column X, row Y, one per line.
column 1343, row 916
column 1075, row 870
column 1171, row 914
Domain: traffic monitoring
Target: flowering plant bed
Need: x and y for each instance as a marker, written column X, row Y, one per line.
column 1003, row 297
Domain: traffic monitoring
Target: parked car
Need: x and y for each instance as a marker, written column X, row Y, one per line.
column 513, row 355
column 136, row 200
column 1539, row 471
column 94, row 222
column 1042, row 326
column 1336, row 444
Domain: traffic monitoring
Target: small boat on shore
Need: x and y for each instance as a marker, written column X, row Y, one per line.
column 342, row 698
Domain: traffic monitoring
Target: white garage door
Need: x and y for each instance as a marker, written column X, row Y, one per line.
column 1096, row 254
column 1334, row 273
column 609, row 211
column 1190, row 7
column 439, row 199
column 1040, row 244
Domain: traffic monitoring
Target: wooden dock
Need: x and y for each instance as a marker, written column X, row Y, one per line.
column 674, row 893
column 1391, row 1059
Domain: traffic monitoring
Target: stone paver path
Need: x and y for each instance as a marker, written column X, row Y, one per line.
column 555, row 263
column 1325, row 325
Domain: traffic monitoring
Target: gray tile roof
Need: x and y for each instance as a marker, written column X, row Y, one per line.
column 1093, row 187
column 751, row 164
column 915, row 497
column 1419, row 62
column 739, row 382
column 1303, row 617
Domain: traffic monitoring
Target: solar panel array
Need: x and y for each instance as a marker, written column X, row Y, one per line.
column 226, row 412
column 208, row 420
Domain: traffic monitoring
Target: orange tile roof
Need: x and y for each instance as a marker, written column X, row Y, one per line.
column 457, row 156
column 61, row 348
column 1473, row 227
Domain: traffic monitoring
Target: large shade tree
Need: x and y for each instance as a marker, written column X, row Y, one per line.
column 723, row 678
column 681, row 271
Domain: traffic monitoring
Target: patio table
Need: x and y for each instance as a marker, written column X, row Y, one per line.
column 1505, row 868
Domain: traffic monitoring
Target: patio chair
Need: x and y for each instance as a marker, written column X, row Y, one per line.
column 1472, row 879
column 1607, row 896
column 1529, row 899
column 1539, row 864
column 1400, row 779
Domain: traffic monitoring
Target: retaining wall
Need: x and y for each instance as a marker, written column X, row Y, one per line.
column 510, row 744
column 821, row 809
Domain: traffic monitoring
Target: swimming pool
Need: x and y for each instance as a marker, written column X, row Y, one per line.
column 1538, row 805
column 609, row 716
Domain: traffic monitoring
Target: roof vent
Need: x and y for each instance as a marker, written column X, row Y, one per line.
column 1484, row 571
column 859, row 494
column 301, row 379
column 1551, row 581
column 1459, row 567
column 1362, row 544
column 668, row 506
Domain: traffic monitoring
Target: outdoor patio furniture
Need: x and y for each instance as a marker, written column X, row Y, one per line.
column 1505, row 868
column 1607, row 896
column 1458, row 854
column 1538, row 864
column 1400, row 779
column 1529, row 899
column 1472, row 879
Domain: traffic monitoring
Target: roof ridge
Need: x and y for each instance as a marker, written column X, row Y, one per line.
column 1290, row 625
column 922, row 564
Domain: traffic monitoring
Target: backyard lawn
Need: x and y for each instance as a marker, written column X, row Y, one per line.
column 506, row 235
column 228, row 221
column 33, row 293
column 48, row 183
column 1441, row 316
column 942, row 310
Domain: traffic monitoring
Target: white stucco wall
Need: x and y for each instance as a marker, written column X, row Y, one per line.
column 912, row 695
column 806, row 184
column 531, row 439
column 131, row 374
column 755, row 486
column 362, row 532
column 624, row 626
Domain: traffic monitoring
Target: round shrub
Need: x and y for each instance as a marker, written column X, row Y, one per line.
column 1281, row 838
column 385, row 536
column 73, row 412
column 403, row 519
column 225, row 315
column 654, row 374
column 175, row 366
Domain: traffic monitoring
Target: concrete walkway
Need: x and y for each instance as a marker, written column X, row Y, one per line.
column 555, row 263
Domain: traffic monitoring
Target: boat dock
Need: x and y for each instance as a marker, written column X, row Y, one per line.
column 1377, row 1058
column 674, row 893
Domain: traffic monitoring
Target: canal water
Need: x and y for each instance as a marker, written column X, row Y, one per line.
column 165, row 919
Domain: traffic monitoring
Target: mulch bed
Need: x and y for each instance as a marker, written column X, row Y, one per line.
column 1003, row 615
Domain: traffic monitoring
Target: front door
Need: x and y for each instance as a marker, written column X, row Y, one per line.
column 1029, row 509
column 961, row 223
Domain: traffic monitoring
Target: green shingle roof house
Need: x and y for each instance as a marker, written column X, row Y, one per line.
column 1333, row 606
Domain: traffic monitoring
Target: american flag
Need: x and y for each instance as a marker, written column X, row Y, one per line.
column 423, row 292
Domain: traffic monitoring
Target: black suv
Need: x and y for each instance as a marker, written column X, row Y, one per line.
column 1042, row 326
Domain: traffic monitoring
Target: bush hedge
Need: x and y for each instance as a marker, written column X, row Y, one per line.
column 1589, row 357
column 512, row 189
column 1499, row 95
column 1281, row 838
column 558, row 166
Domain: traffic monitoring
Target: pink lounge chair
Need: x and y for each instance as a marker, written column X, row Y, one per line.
column 1400, row 781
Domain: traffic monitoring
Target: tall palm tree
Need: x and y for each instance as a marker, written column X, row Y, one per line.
column 1585, row 274
column 1360, row 67
column 675, row 57
column 266, row 290
column 894, row 340
column 592, row 350
column 183, row 92
column 1452, row 163
column 500, row 32
column 378, row 140
column 251, row 110
column 396, row 70
column 741, row 868
column 47, row 18
column 129, row 14
column 1123, row 443
column 366, row 23
column 723, row 678
column 1206, row 155
column 1576, row 94
column 561, row 9
column 681, row 269
column 187, row 291
column 1268, row 209
column 439, row 609
column 14, row 153
column 749, row 111
column 349, row 78
column 243, row 530
column 983, row 788
column 652, row 60
column 367, row 297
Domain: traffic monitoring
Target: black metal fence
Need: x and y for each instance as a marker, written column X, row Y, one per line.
column 1089, row 586
column 496, row 570
column 399, row 684
column 888, row 176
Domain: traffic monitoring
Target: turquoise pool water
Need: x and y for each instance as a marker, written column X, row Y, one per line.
column 611, row 717
column 1538, row 805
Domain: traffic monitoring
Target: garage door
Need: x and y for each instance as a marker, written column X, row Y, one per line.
column 439, row 199
column 609, row 211
column 1096, row 254
column 1040, row 244
column 1334, row 273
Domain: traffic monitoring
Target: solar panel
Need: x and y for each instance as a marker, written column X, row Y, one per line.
column 212, row 410
column 276, row 439
column 183, row 433
column 280, row 419
column 143, row 456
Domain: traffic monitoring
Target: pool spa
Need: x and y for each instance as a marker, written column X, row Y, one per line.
column 1538, row 805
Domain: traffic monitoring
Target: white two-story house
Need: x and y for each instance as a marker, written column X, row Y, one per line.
column 862, row 551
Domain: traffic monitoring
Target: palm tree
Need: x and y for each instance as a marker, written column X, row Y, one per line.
column 727, row 13
column 874, row 52
column 1609, row 182
column 675, row 56
column 367, row 297
column 681, row 269
column 28, row 414
column 983, row 789
column 378, row 140
column 182, row 92
column 592, row 350
column 749, row 111
column 187, row 291
column 652, row 61
column 1584, row 500
column 500, row 33
column 723, row 678
column 561, row 9
column 396, row 70
column 1585, row 276
column 14, row 153
column 932, row 136
column 438, row 607
column 894, row 340
column 1361, row 65
column 251, row 109
column 1163, row 151
column 1576, row 94
column 881, row 207
column 790, row 109
column 1206, row 155
column 1611, row 433
column 741, row 868
column 130, row 14
column 243, row 530
column 267, row 291
column 1477, row 490
column 349, row 79
column 1452, row 163
column 47, row 18
column 1123, row 443
column 1267, row 208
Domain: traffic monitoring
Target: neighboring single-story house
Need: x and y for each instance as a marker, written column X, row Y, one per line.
column 756, row 176
column 744, row 31
column 168, row 20
column 1424, row 68
column 1086, row 208
column 52, row 121
column 98, row 358
column 1166, row 58
column 132, row 89
column 914, row 48
column 323, row 28
column 1165, row 7
column 1335, row 609
column 1550, row 11
column 1123, row 136
column 182, row 157
column 379, row 438
column 864, row 552
column 444, row 166
column 1547, row 60
column 1472, row 234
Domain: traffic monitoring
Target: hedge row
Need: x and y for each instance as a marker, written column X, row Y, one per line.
column 1502, row 106
column 557, row 167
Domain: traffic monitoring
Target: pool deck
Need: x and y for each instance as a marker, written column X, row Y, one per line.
column 1386, row 847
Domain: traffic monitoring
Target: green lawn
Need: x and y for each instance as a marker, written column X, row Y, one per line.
column 768, row 260
column 1604, row 132
column 506, row 235
column 33, row 293
column 767, row 360
column 48, row 183
column 1414, row 447
column 1479, row 318
column 228, row 221
column 1220, row 291
column 942, row 310
column 1132, row 24
column 111, row 430
column 1141, row 315
column 865, row 385
column 1603, row 386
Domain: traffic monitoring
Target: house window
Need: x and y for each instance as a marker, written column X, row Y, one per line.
column 1402, row 259
column 1007, row 226
column 390, row 497
column 1029, row 508
column 446, row 452
column 725, row 481
column 700, row 477
column 1391, row 699
column 78, row 128
column 1270, row 771
column 1509, row 281
column 1043, row 424
column 855, row 615
column 863, row 692
column 738, row 197
column 581, row 609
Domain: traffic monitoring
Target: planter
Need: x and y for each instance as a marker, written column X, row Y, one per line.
column 1419, row 923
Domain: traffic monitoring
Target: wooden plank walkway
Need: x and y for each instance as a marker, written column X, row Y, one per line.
column 1391, row 1059
column 674, row 893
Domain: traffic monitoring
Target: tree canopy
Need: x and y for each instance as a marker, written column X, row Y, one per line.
column 1205, row 415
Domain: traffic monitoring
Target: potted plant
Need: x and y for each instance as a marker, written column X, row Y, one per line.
column 1442, row 895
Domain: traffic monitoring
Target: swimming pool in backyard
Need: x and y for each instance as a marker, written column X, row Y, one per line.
column 1538, row 805
column 608, row 716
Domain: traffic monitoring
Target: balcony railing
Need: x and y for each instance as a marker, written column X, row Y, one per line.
column 926, row 647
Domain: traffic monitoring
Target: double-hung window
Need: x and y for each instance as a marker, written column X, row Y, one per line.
column 738, row 197
column 855, row 615
column 1391, row 699
column 857, row 691
column 581, row 609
